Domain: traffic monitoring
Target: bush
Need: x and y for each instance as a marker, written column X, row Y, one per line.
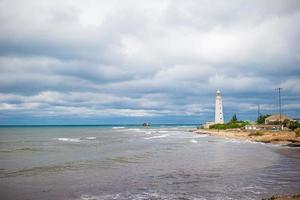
column 230, row 125
column 256, row 133
column 233, row 119
column 293, row 125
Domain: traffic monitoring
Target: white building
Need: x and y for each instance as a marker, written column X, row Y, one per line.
column 206, row 125
column 219, row 119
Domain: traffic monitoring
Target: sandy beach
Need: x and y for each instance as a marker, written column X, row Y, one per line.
column 275, row 137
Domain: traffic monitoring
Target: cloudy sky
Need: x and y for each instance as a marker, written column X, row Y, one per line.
column 99, row 62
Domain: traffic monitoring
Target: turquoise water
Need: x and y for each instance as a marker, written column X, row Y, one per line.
column 132, row 162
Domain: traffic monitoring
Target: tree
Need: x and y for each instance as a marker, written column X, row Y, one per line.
column 233, row 119
column 293, row 125
column 261, row 119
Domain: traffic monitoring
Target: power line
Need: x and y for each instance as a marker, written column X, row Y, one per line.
column 258, row 110
column 279, row 101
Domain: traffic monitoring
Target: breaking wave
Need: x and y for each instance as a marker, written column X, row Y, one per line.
column 158, row 136
column 76, row 139
column 118, row 127
column 69, row 139
column 140, row 196
column 90, row 138
column 29, row 149
column 200, row 136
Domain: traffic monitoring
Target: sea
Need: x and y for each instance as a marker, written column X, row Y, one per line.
column 134, row 162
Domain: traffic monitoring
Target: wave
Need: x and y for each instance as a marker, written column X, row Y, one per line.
column 158, row 136
column 20, row 149
column 135, row 129
column 76, row 139
column 200, row 136
column 69, row 139
column 124, row 160
column 254, row 189
column 118, row 127
column 90, row 138
column 5, row 150
column 148, row 132
column 194, row 141
column 139, row 196
column 89, row 197
column 244, row 141
column 163, row 131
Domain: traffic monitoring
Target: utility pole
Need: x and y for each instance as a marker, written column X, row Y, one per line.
column 279, row 101
column 258, row 110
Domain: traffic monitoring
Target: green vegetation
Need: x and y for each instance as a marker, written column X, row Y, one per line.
column 293, row 125
column 233, row 119
column 261, row 119
column 229, row 125
column 233, row 123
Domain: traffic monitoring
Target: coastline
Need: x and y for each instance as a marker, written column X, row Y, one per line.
column 290, row 197
column 287, row 138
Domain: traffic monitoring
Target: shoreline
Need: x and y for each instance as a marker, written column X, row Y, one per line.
column 289, row 197
column 287, row 138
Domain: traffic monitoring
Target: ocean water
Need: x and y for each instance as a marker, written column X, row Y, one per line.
column 132, row 162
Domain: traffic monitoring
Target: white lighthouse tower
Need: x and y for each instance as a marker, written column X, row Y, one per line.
column 219, row 119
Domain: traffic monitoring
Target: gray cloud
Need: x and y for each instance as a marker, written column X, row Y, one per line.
column 141, row 58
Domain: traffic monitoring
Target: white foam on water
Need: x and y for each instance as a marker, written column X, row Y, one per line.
column 118, row 127
column 102, row 197
column 141, row 196
column 250, row 142
column 141, row 130
column 90, row 138
column 236, row 141
column 69, row 139
column 157, row 136
column 135, row 129
column 199, row 136
column 194, row 141
column 89, row 197
column 148, row 132
column 163, row 131
column 254, row 189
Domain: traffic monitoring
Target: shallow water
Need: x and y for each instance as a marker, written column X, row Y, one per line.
column 85, row 163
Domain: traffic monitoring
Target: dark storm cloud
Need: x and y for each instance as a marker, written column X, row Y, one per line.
column 147, row 58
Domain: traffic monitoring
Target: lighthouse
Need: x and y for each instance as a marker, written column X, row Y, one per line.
column 219, row 119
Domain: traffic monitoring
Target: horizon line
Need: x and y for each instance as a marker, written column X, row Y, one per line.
column 135, row 124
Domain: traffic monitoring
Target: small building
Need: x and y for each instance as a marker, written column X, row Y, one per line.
column 208, row 124
column 273, row 119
